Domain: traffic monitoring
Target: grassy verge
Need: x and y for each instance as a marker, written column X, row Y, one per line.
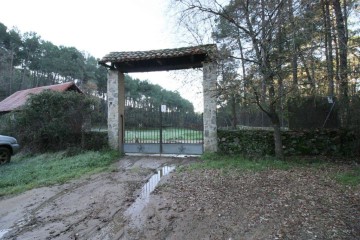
column 27, row 172
column 233, row 162
column 217, row 161
column 351, row 178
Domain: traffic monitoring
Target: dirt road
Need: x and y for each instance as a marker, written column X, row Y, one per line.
column 89, row 208
column 299, row 203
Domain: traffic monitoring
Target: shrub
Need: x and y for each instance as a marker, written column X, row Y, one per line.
column 7, row 124
column 95, row 140
column 247, row 142
column 54, row 120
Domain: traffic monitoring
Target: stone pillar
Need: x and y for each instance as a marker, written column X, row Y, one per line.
column 116, row 108
column 209, row 88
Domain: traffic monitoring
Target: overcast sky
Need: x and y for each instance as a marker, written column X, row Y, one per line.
column 97, row 27
column 100, row 27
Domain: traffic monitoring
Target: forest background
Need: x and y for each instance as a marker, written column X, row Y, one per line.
column 275, row 56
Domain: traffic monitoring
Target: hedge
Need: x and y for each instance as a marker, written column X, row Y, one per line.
column 308, row 142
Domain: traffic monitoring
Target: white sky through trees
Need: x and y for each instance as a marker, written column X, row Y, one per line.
column 99, row 27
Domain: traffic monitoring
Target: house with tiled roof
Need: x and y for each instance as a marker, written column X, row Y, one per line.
column 18, row 99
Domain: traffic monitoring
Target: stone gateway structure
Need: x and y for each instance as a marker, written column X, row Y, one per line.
column 118, row 63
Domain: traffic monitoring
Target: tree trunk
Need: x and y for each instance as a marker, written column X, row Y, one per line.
column 245, row 85
column 245, row 81
column 233, row 111
column 337, row 64
column 11, row 72
column 279, row 153
column 342, row 45
column 294, row 67
column 279, row 64
column 313, row 64
column 307, row 70
column 274, row 117
column 328, row 47
column 294, row 60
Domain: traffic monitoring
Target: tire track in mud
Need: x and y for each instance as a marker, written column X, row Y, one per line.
column 58, row 195
column 89, row 208
column 31, row 222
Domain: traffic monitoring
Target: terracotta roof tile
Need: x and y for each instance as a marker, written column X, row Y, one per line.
column 158, row 54
column 160, row 60
column 18, row 99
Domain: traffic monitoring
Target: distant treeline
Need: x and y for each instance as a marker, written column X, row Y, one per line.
column 27, row 61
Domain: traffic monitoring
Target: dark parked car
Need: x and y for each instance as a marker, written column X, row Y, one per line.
column 8, row 146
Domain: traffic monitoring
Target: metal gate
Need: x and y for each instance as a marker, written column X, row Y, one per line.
column 160, row 130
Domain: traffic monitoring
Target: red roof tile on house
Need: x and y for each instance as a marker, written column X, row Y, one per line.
column 18, row 99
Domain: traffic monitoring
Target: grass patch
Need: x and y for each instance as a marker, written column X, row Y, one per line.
column 351, row 178
column 236, row 162
column 27, row 172
column 217, row 161
column 167, row 134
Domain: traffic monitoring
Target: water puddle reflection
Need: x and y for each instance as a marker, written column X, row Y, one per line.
column 134, row 211
column 3, row 232
column 154, row 180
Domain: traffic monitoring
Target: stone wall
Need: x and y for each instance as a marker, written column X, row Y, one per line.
column 309, row 142
column 210, row 125
column 116, row 106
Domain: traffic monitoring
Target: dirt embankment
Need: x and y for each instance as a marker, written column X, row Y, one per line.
column 300, row 203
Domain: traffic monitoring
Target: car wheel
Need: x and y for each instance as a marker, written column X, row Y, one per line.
column 5, row 155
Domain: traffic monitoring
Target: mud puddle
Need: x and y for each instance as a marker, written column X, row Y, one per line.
column 3, row 232
column 134, row 212
column 92, row 207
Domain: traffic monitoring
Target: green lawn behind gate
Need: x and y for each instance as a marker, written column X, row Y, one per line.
column 168, row 134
